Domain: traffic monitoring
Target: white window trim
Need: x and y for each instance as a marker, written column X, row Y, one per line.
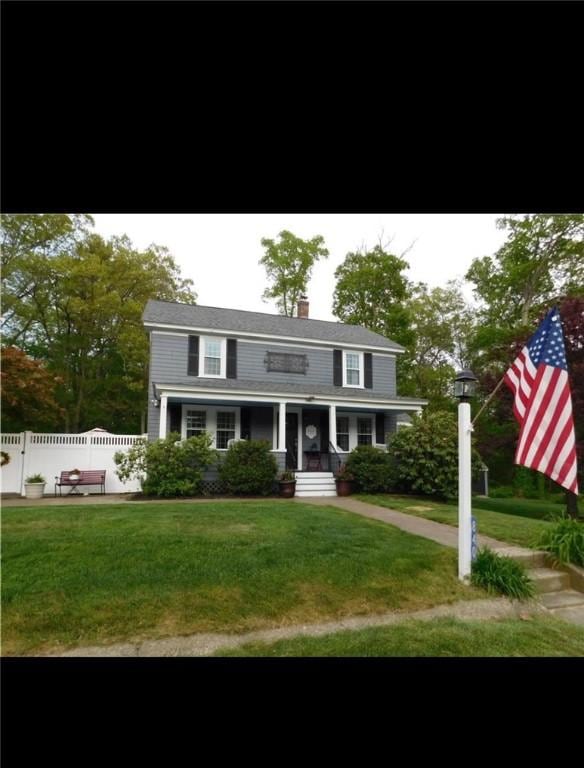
column 211, row 419
column 361, row 384
column 223, row 370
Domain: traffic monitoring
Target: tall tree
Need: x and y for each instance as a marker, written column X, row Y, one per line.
column 442, row 325
column 288, row 265
column 82, row 316
column 543, row 258
column 372, row 291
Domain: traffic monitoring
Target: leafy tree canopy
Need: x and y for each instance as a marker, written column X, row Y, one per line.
column 75, row 301
column 288, row 265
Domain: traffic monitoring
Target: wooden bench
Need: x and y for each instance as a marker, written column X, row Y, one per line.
column 86, row 477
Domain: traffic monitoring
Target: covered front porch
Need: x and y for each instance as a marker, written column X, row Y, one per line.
column 306, row 435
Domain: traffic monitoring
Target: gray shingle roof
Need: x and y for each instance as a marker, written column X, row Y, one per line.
column 300, row 389
column 237, row 320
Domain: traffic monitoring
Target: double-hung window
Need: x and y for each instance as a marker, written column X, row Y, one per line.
column 353, row 369
column 343, row 432
column 212, row 357
column 221, row 422
column 225, row 428
column 196, row 422
column 364, row 432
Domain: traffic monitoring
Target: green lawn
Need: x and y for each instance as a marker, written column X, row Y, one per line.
column 538, row 510
column 86, row 575
column 498, row 525
column 439, row 637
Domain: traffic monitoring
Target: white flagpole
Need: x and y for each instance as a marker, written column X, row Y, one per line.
column 464, row 492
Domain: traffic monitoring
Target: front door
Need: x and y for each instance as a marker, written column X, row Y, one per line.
column 292, row 441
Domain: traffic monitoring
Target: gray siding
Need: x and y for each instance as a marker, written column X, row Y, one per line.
column 153, row 420
column 168, row 365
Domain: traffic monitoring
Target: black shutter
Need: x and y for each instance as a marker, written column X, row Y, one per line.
column 380, row 428
column 245, row 422
column 174, row 416
column 368, row 377
column 231, row 358
column 193, row 366
column 338, row 367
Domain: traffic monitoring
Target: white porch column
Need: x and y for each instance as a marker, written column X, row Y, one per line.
column 332, row 426
column 275, row 428
column 163, row 410
column 282, row 427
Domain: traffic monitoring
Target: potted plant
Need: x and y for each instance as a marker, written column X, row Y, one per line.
column 344, row 479
column 287, row 483
column 34, row 486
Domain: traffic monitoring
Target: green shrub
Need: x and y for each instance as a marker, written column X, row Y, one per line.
column 168, row 467
column 564, row 540
column 501, row 575
column 249, row 468
column 502, row 492
column 35, row 479
column 424, row 457
column 371, row 469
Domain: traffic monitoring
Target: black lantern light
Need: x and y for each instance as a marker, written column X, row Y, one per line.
column 465, row 385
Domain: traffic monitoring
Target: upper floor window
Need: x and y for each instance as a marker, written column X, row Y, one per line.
column 212, row 359
column 353, row 369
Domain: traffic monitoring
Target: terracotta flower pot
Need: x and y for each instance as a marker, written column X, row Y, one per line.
column 344, row 487
column 287, row 488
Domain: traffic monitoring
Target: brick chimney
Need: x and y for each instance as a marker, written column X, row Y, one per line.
column 303, row 306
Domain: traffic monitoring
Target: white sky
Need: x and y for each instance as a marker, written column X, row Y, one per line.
column 220, row 252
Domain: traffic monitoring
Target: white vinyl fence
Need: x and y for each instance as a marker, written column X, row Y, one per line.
column 33, row 453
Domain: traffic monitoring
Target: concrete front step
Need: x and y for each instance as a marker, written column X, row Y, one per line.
column 564, row 599
column 314, row 475
column 573, row 613
column 530, row 558
column 315, row 488
column 310, row 493
column 548, row 580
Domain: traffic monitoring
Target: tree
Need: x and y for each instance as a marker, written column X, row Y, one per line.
column 82, row 314
column 442, row 324
column 372, row 291
column 289, row 264
column 28, row 393
column 542, row 259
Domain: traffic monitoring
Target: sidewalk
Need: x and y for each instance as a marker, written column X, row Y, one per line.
column 208, row 644
column 438, row 532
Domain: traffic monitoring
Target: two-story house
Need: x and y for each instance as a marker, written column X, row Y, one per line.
column 313, row 389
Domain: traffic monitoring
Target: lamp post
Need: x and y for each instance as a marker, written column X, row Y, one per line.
column 464, row 389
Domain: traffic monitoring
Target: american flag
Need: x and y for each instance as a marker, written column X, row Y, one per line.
column 543, row 405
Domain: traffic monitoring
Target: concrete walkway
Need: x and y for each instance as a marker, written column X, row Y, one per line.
column 207, row 644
